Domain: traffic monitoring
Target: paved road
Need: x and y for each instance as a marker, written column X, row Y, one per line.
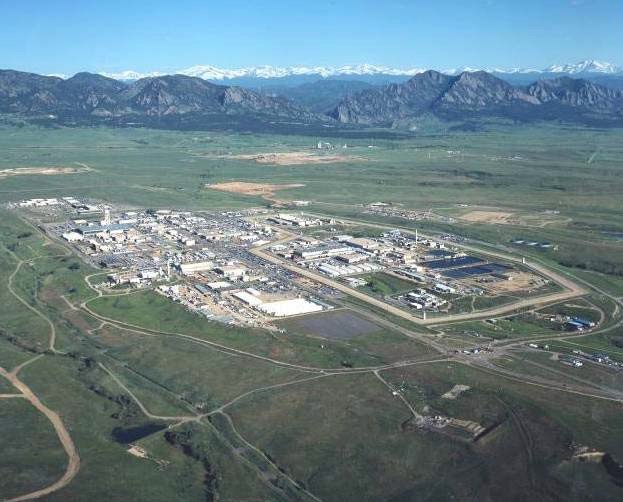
column 571, row 288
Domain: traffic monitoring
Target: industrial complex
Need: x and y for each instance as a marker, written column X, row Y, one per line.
column 255, row 266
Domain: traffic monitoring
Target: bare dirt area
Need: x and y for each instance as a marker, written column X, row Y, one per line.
column 455, row 391
column 45, row 171
column 505, row 217
column 521, row 281
column 518, row 281
column 294, row 158
column 493, row 217
column 265, row 190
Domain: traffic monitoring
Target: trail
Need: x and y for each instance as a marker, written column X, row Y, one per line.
column 271, row 462
column 551, row 386
column 526, row 440
column 73, row 465
column 233, row 351
column 19, row 367
column 263, row 389
column 143, row 408
column 52, row 339
column 573, row 289
column 587, row 383
column 316, row 377
column 419, row 418
column 462, row 360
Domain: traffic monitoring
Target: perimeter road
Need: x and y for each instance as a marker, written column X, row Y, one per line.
column 572, row 289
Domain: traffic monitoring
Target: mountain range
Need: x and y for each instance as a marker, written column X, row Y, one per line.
column 208, row 72
column 481, row 94
column 92, row 95
column 182, row 101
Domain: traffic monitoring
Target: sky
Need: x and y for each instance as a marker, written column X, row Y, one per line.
column 67, row 36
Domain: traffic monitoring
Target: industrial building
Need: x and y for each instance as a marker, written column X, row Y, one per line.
column 97, row 229
column 295, row 220
column 279, row 308
column 363, row 243
column 322, row 251
column 285, row 308
column 72, row 236
column 195, row 267
column 236, row 271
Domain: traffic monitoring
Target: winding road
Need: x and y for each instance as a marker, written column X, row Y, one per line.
column 572, row 289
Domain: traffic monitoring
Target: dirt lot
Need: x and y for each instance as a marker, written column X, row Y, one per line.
column 494, row 217
column 294, row 158
column 521, row 281
column 265, row 190
column 339, row 325
column 501, row 217
column 47, row 171
column 455, row 391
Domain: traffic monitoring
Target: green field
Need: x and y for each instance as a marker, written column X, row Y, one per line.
column 24, row 429
column 521, row 325
column 302, row 410
column 382, row 284
column 610, row 343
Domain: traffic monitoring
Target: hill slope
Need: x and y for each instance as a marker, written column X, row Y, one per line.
column 481, row 94
column 89, row 95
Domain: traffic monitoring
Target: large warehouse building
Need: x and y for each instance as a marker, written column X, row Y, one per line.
column 280, row 308
column 286, row 308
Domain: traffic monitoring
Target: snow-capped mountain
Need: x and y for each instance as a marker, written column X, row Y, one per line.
column 209, row 72
column 587, row 66
column 131, row 75
column 508, row 71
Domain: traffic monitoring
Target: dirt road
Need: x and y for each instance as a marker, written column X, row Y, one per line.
column 73, row 465
column 143, row 408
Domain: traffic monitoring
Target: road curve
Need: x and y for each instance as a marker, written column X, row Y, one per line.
column 571, row 289
column 73, row 465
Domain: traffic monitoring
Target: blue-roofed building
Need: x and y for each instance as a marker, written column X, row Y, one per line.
column 584, row 322
column 574, row 326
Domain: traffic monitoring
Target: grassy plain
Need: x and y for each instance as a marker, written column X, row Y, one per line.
column 25, row 429
column 343, row 437
column 540, row 170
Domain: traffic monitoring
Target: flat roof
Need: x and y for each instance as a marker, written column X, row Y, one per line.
column 96, row 229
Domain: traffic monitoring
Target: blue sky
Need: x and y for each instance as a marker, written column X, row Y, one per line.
column 110, row 35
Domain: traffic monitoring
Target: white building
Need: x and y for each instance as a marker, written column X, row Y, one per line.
column 286, row 308
column 363, row 243
column 194, row 267
column 72, row 236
